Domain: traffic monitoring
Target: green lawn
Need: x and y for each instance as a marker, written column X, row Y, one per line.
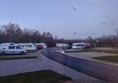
column 108, row 58
column 78, row 50
column 92, row 50
column 108, row 51
column 45, row 76
column 14, row 58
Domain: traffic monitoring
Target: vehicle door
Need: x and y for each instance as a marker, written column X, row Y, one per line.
column 18, row 50
column 79, row 46
column 11, row 50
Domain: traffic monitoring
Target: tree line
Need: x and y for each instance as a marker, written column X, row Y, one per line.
column 14, row 33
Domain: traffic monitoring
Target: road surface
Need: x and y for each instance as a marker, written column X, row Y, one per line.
column 99, row 70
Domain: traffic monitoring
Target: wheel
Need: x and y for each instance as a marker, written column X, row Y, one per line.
column 2, row 53
column 82, row 48
column 22, row 53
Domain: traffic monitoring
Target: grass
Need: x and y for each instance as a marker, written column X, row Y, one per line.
column 14, row 58
column 45, row 76
column 92, row 50
column 108, row 58
column 108, row 51
column 78, row 50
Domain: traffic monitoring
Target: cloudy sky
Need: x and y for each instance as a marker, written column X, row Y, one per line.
column 63, row 17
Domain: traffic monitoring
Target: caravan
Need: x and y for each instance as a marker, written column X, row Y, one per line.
column 81, row 45
column 27, row 46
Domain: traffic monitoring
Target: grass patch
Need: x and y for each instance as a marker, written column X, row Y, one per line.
column 78, row 50
column 108, row 58
column 45, row 76
column 91, row 50
column 14, row 58
column 107, row 51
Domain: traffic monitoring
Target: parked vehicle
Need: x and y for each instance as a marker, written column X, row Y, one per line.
column 69, row 47
column 61, row 45
column 27, row 46
column 11, row 48
column 87, row 46
column 81, row 45
column 40, row 45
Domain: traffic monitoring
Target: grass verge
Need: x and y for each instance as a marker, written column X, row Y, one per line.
column 45, row 76
column 14, row 58
column 107, row 51
column 78, row 50
column 92, row 50
column 108, row 58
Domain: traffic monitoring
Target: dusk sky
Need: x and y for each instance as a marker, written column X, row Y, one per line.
column 63, row 17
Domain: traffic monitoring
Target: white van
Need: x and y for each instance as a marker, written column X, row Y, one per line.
column 11, row 48
column 27, row 46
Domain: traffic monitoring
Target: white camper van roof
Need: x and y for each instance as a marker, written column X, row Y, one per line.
column 6, row 44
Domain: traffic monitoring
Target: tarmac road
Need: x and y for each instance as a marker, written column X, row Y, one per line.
column 99, row 70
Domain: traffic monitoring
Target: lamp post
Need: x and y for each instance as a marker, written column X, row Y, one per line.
column 97, row 43
column 75, row 34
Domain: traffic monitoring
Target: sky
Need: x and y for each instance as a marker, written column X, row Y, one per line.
column 68, row 19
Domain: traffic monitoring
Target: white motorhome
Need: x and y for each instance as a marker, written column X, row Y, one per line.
column 11, row 48
column 27, row 46
column 81, row 45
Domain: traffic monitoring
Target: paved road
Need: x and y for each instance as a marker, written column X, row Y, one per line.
column 10, row 67
column 95, row 69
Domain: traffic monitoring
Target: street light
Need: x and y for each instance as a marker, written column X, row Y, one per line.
column 97, row 42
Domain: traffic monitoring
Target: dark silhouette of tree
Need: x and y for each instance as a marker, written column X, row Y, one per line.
column 36, row 37
column 14, row 33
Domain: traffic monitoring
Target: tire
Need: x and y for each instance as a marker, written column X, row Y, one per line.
column 22, row 53
column 82, row 48
column 3, row 53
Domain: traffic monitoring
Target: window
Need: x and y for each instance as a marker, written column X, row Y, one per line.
column 17, row 47
column 80, row 45
column 11, row 47
column 28, row 45
column 11, row 44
